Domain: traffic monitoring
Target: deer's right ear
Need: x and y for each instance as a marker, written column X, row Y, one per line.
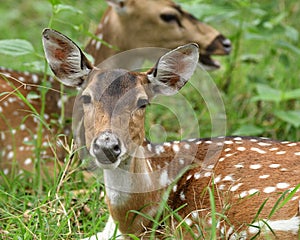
column 65, row 58
column 118, row 5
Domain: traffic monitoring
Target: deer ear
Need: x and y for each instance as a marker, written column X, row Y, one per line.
column 65, row 58
column 174, row 69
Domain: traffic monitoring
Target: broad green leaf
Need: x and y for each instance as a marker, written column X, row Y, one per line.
column 288, row 46
column 267, row 93
column 292, row 94
column 292, row 117
column 248, row 130
column 54, row 2
column 15, row 47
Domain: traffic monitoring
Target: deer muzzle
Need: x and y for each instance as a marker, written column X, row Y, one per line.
column 106, row 148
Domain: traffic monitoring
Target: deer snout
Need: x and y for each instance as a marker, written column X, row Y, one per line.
column 220, row 46
column 106, row 148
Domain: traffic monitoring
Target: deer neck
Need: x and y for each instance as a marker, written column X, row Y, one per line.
column 108, row 27
column 139, row 184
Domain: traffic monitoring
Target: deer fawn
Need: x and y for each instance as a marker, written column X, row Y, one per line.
column 118, row 28
column 254, row 181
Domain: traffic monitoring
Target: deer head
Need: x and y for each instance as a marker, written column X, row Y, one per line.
column 152, row 23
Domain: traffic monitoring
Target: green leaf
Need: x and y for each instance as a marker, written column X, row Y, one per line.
column 292, row 94
column 32, row 95
column 63, row 7
column 15, row 47
column 267, row 93
column 248, row 130
column 292, row 117
column 54, row 2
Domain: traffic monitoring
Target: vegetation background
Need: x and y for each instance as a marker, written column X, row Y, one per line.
column 259, row 84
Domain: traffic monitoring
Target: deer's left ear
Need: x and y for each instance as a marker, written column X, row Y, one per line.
column 174, row 69
column 65, row 58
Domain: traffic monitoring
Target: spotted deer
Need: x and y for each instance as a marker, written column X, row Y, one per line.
column 125, row 25
column 254, row 181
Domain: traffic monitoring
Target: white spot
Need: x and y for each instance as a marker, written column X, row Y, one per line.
column 281, row 152
column 264, row 176
column 187, row 146
column 228, row 142
column 221, row 159
column 175, row 148
column 98, row 45
column 181, row 161
column 3, row 136
column 269, row 189
column 264, row 144
column 208, row 142
column 192, row 140
column 22, row 127
column 6, row 171
column 93, row 42
column 195, row 215
column 13, row 131
column 282, row 185
column 252, row 191
column 198, row 142
column 239, row 142
column 292, row 144
column 1, row 110
column 297, row 153
column 241, row 149
column 257, row 150
column 176, row 142
column 182, row 196
column 221, row 187
column 238, row 139
column 243, row 194
column 217, row 179
column 28, row 161
column 289, row 225
column 285, row 142
column 197, row 175
column 253, row 140
column 149, row 147
column 159, row 149
column 175, row 188
column 229, row 154
column 255, row 166
column 239, row 165
column 283, row 169
column 210, row 166
column 35, row 78
column 164, row 178
column 235, row 187
column 294, row 198
column 167, row 144
column 273, row 149
column 188, row 177
column 188, row 221
column 228, row 178
column 220, row 143
column 10, row 155
column 274, row 165
column 207, row 174
column 227, row 150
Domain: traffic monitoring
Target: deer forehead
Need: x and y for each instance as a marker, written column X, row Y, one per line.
column 117, row 89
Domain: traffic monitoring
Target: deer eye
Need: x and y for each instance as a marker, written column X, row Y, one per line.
column 86, row 99
column 169, row 17
column 142, row 103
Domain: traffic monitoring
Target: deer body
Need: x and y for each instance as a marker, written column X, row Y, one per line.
column 248, row 177
column 125, row 25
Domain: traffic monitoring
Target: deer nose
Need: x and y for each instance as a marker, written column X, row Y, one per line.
column 106, row 148
column 227, row 45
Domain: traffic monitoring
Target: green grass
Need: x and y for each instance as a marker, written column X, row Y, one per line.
column 259, row 85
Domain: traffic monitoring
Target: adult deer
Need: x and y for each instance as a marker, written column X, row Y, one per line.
column 254, row 181
column 125, row 25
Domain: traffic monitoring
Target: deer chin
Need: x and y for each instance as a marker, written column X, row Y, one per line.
column 208, row 63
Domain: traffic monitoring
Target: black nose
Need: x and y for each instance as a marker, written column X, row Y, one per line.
column 226, row 44
column 106, row 148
